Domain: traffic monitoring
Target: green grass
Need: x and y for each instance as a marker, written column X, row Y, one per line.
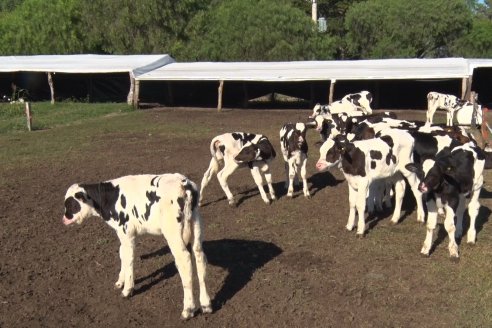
column 47, row 116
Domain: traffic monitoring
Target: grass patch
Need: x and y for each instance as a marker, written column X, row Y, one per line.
column 47, row 116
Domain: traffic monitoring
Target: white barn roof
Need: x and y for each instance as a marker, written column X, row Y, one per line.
column 383, row 69
column 138, row 64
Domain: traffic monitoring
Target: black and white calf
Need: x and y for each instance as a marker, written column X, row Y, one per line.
column 134, row 205
column 330, row 126
column 362, row 100
column 452, row 104
column 365, row 161
column 294, row 150
column 240, row 149
column 355, row 104
column 447, row 181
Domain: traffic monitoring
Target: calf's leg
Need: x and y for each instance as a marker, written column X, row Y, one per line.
column 256, row 173
column 182, row 259
column 127, row 249
column 451, row 229
column 223, row 175
column 305, row 187
column 201, row 263
column 212, row 169
column 431, row 226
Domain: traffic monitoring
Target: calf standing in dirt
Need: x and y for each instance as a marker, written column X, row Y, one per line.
column 294, row 149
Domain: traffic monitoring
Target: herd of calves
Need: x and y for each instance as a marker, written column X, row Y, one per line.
column 377, row 153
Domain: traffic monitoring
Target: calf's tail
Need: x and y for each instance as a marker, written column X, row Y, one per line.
column 190, row 204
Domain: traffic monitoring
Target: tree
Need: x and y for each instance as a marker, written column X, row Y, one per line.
column 134, row 27
column 401, row 28
column 255, row 30
column 41, row 27
column 478, row 41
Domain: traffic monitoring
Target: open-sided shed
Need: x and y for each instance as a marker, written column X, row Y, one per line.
column 395, row 83
column 88, row 77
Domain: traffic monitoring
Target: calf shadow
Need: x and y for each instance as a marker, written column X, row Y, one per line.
column 241, row 258
column 321, row 180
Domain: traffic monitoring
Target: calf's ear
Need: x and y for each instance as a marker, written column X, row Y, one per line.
column 412, row 167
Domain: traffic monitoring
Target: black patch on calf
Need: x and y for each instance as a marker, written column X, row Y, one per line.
column 153, row 198
column 194, row 195
column 353, row 161
column 123, row 201
column 267, row 151
column 355, row 99
column 390, row 157
column 135, row 211
column 375, row 154
column 244, row 137
column 72, row 207
column 104, row 196
column 123, row 218
column 388, row 140
column 153, row 182
column 373, row 165
column 181, row 203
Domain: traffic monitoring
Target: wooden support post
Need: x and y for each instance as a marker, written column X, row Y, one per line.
column 474, row 99
column 52, row 87
column 311, row 95
column 29, row 116
column 129, row 98
column 170, row 95
column 332, row 90
column 466, row 87
column 219, row 101
column 136, row 94
column 246, row 96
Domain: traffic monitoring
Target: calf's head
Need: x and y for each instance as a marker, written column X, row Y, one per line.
column 78, row 205
column 262, row 150
column 432, row 173
column 331, row 152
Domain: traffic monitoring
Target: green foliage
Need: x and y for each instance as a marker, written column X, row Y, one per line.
column 136, row 27
column 401, row 28
column 255, row 30
column 247, row 30
column 477, row 43
column 41, row 27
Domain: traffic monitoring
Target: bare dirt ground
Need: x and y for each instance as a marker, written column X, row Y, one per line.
column 290, row 264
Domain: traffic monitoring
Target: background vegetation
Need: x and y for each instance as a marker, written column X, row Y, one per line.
column 248, row 30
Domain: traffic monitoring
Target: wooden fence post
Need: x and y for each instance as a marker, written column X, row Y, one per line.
column 332, row 90
column 219, row 101
column 129, row 98
column 136, row 94
column 52, row 87
column 29, row 116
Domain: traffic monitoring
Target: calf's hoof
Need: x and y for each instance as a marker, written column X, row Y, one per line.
column 360, row 235
column 187, row 314
column 454, row 259
column 127, row 293
column 232, row 202
column 207, row 309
